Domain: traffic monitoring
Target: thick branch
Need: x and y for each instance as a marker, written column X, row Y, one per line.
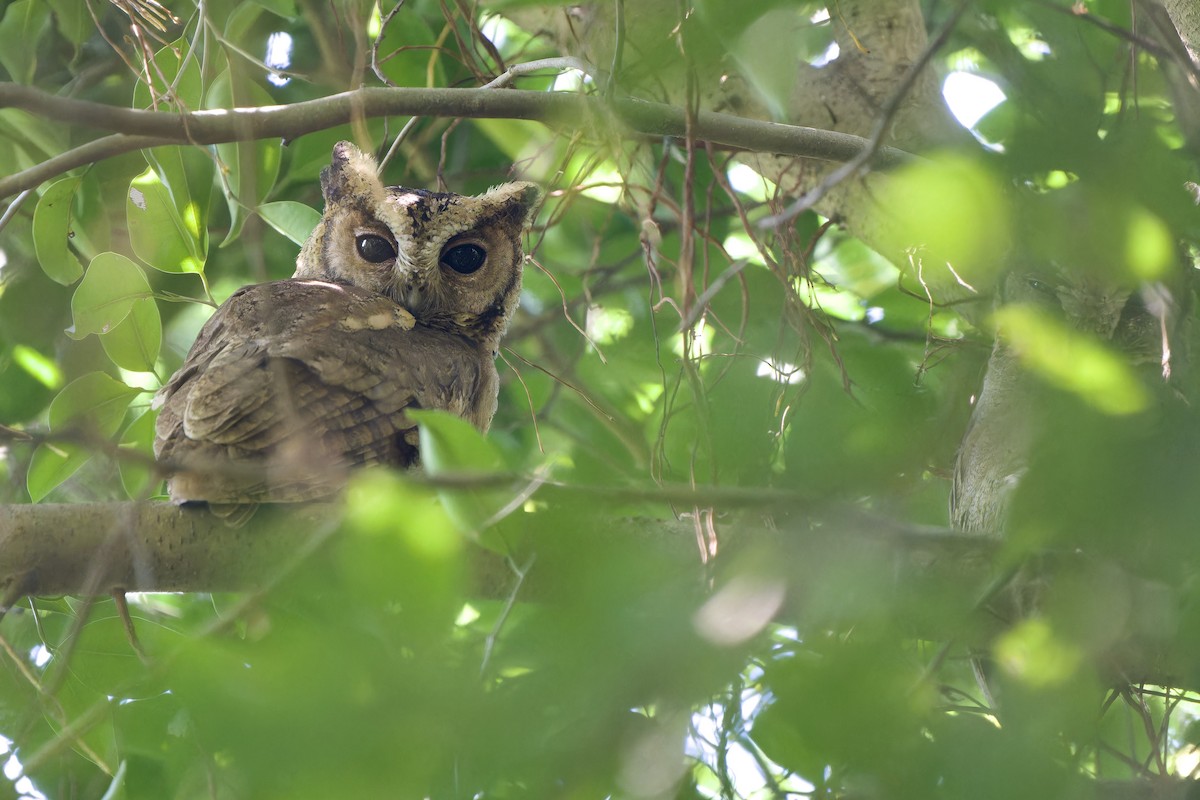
column 139, row 129
column 94, row 548
column 87, row 549
column 91, row 548
column 1186, row 15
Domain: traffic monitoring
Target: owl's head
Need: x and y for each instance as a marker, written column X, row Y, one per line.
column 454, row 262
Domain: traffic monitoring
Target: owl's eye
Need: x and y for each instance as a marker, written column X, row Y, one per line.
column 375, row 249
column 464, row 258
column 1044, row 288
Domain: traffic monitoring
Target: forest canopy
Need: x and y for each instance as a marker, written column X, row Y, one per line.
column 845, row 446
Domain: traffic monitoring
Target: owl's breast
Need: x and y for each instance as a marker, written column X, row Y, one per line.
column 292, row 383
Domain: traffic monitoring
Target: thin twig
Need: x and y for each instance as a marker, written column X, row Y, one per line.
column 1072, row 11
column 561, row 64
column 564, row 382
column 376, row 66
column 14, row 207
column 701, row 303
column 503, row 80
column 408, row 128
column 494, row 634
column 537, row 433
column 566, row 310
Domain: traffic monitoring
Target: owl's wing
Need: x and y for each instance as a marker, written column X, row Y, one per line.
column 290, row 383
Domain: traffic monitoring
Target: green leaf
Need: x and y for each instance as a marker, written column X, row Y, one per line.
column 138, row 438
column 282, row 8
column 775, row 734
column 1072, row 361
column 53, row 463
column 516, row 138
column 765, row 52
column 91, row 232
column 116, row 787
column 159, row 233
column 936, row 205
column 52, row 232
column 107, row 293
column 94, row 403
column 39, row 367
column 452, row 446
column 31, row 139
column 249, row 168
column 407, row 39
column 180, row 169
column 187, row 90
column 185, row 171
column 21, row 30
column 29, row 380
column 1149, row 246
column 134, row 343
column 294, row 220
column 401, row 545
column 72, row 20
column 1033, row 653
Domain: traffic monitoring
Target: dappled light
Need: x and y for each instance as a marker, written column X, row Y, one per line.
column 845, row 439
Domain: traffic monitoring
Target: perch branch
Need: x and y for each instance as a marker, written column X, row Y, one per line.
column 55, row 549
column 135, row 129
column 49, row 549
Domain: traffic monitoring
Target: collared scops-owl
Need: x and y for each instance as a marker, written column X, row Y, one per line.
column 1139, row 323
column 399, row 300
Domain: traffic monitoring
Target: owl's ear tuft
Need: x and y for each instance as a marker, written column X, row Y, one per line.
column 350, row 172
column 520, row 199
column 531, row 197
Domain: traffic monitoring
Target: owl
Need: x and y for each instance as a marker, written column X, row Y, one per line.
column 1007, row 422
column 399, row 300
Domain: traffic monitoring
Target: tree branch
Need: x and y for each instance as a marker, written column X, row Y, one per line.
column 53, row 549
column 89, row 548
column 93, row 548
column 136, row 129
column 1186, row 15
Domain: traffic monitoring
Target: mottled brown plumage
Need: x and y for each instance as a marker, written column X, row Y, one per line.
column 398, row 302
